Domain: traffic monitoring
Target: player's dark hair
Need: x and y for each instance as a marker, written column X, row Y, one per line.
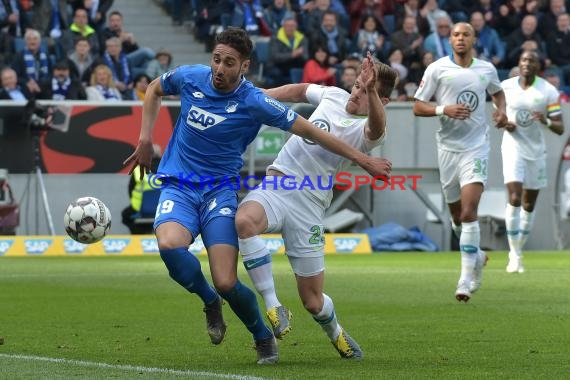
column 387, row 78
column 236, row 38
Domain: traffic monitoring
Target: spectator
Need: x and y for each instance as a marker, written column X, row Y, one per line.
column 118, row 64
column 317, row 69
column 458, row 10
column 554, row 79
column 248, row 15
column 6, row 49
column 138, row 92
column 370, row 37
column 210, row 15
column 80, row 28
column 488, row 44
column 288, row 49
column 395, row 59
column 274, row 14
column 32, row 65
column 524, row 38
column 82, row 58
column 438, row 41
column 331, row 35
column 409, row 42
column 432, row 12
column 510, row 18
column 10, row 89
column 102, row 86
column 558, row 46
column 10, row 18
column 416, row 74
column 96, row 11
column 412, row 8
column 49, row 17
column 138, row 56
column 488, row 9
column 348, row 78
column 314, row 18
column 62, row 86
column 548, row 19
column 353, row 60
column 359, row 9
column 160, row 64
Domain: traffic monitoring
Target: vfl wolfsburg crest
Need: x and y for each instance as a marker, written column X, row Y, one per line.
column 319, row 123
column 524, row 118
column 469, row 99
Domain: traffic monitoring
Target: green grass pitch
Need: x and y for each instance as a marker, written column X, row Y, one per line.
column 122, row 317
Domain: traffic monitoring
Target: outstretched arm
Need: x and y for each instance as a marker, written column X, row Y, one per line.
column 142, row 156
column 376, row 124
column 375, row 166
column 294, row 93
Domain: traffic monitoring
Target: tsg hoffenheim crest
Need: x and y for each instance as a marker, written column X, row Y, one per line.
column 469, row 99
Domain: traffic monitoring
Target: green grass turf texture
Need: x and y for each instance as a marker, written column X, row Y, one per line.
column 400, row 307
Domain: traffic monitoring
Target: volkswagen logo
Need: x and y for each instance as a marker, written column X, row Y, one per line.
column 524, row 118
column 469, row 99
column 322, row 124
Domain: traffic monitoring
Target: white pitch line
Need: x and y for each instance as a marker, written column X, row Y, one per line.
column 127, row 367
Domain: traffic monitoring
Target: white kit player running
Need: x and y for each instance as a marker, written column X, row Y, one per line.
column 459, row 83
column 532, row 105
column 358, row 119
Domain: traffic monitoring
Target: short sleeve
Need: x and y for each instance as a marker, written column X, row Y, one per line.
column 494, row 85
column 172, row 80
column 428, row 85
column 315, row 94
column 269, row 111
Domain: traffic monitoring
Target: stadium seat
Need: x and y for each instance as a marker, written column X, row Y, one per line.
column 261, row 49
column 343, row 219
column 148, row 207
column 296, row 75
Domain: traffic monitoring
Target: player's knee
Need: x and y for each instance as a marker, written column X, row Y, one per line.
column 224, row 284
column 245, row 225
column 313, row 304
column 515, row 199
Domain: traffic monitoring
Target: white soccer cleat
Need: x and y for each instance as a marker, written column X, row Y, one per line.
column 462, row 293
column 482, row 259
column 515, row 263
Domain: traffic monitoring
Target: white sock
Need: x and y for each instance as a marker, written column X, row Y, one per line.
column 456, row 229
column 512, row 222
column 469, row 245
column 257, row 262
column 527, row 221
column 327, row 319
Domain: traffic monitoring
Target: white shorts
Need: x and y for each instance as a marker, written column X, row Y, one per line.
column 531, row 173
column 457, row 169
column 298, row 217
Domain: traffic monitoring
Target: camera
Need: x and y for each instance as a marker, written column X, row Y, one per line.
column 38, row 117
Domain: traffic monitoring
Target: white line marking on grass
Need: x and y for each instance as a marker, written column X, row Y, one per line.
column 126, row 367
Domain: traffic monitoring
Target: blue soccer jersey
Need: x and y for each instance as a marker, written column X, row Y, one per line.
column 214, row 129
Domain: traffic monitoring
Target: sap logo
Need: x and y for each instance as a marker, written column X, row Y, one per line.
column 37, row 247
column 275, row 104
column 149, row 245
column 346, row 245
column 72, row 246
column 198, row 118
column 197, row 247
column 115, row 245
column 5, row 246
column 273, row 245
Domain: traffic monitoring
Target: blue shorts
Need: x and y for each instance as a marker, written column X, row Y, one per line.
column 209, row 212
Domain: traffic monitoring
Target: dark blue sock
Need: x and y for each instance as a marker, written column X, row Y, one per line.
column 184, row 268
column 244, row 304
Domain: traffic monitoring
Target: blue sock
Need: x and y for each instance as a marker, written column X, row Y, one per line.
column 184, row 268
column 244, row 304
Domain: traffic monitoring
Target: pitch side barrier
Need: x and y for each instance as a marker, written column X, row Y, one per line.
column 141, row 245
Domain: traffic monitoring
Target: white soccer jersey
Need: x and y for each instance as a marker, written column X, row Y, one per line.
column 453, row 84
column 527, row 139
column 300, row 157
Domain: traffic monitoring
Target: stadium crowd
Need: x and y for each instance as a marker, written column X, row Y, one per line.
column 316, row 40
column 77, row 49
column 72, row 49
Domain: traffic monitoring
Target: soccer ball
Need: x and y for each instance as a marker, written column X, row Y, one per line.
column 87, row 220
